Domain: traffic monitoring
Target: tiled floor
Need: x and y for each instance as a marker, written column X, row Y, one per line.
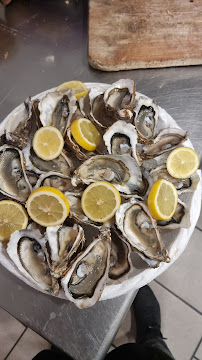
column 179, row 292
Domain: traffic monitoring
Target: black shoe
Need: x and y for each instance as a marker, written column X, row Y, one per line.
column 147, row 315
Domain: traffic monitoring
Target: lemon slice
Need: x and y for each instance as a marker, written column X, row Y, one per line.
column 48, row 143
column 162, row 200
column 79, row 88
column 47, row 206
column 85, row 134
column 12, row 217
column 100, row 201
column 182, row 162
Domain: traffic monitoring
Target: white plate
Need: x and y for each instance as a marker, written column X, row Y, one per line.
column 175, row 240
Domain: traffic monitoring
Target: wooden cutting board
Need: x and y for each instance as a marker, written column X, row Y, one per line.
column 132, row 34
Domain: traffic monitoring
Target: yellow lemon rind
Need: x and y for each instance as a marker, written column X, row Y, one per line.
column 71, row 85
column 170, row 159
column 79, row 137
column 21, row 208
column 49, row 191
column 117, row 197
column 36, row 138
column 152, row 200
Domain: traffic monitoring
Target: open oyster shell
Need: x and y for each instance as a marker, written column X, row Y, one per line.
column 13, row 179
column 146, row 117
column 119, row 99
column 85, row 279
column 56, row 180
column 56, row 109
column 63, row 243
column 120, row 261
column 133, row 219
column 121, row 139
column 180, row 219
column 120, row 170
column 27, row 250
column 167, row 140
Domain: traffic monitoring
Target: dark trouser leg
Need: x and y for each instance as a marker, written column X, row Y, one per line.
column 51, row 355
column 137, row 352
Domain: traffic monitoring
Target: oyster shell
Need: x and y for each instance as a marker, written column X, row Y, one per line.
column 122, row 171
column 85, row 279
column 182, row 185
column 56, row 109
column 13, row 180
column 166, row 140
column 63, row 243
column 62, row 164
column 121, row 139
column 56, row 180
column 133, row 219
column 146, row 117
column 19, row 125
column 120, row 262
column 180, row 219
column 119, row 99
column 26, row 250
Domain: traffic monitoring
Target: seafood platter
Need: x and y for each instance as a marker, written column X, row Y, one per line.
column 81, row 260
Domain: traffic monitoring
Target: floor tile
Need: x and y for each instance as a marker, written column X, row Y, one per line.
column 10, row 331
column 29, row 345
column 199, row 351
column 199, row 223
column 180, row 324
column 126, row 333
column 184, row 276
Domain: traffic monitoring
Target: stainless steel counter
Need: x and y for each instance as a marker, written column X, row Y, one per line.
column 42, row 44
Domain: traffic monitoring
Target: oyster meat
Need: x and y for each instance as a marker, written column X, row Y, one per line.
column 133, row 219
column 122, row 171
column 85, row 279
column 121, row 139
column 13, row 180
column 26, row 249
column 56, row 109
column 63, row 243
column 146, row 117
column 56, row 180
column 166, row 140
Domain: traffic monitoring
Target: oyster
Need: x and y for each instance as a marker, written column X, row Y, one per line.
column 19, row 125
column 56, row 109
column 180, row 219
column 26, row 249
column 146, row 117
column 119, row 99
column 85, row 279
column 166, row 140
column 182, row 185
column 121, row 139
column 62, row 164
column 63, row 243
column 120, row 262
column 13, row 180
column 56, row 180
column 122, row 171
column 135, row 222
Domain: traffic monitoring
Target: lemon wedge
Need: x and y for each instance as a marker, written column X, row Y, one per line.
column 47, row 206
column 100, row 201
column 85, row 134
column 182, row 162
column 48, row 143
column 162, row 200
column 12, row 217
column 79, row 87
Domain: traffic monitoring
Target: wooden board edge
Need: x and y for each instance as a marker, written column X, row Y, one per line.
column 142, row 64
